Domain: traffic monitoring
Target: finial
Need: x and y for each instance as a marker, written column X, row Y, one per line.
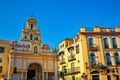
column 31, row 15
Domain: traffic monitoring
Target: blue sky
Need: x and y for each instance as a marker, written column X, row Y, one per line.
column 57, row 19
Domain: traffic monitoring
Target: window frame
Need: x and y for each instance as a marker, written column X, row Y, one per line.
column 2, row 49
column 117, row 58
column 25, row 37
column 1, row 69
column 90, row 44
column 31, row 36
column 31, row 26
column 92, row 58
column 108, row 59
column 77, row 49
column 72, row 67
column 1, row 59
column 35, row 49
column 106, row 45
column 114, row 45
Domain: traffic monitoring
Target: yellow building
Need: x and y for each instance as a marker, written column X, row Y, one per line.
column 30, row 56
column 4, row 56
column 91, row 55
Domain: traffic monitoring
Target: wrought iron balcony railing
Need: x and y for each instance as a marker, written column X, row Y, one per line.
column 62, row 61
column 71, row 57
column 93, row 47
column 73, row 70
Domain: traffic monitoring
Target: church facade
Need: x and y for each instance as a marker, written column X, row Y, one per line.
column 31, row 58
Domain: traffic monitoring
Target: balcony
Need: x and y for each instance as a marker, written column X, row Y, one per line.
column 73, row 70
column 62, row 61
column 93, row 47
column 71, row 57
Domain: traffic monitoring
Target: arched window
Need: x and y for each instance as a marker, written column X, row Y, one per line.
column 117, row 58
column 108, row 59
column 92, row 59
column 25, row 37
column 105, row 43
column 36, row 38
column 31, row 26
column 0, row 59
column 35, row 49
column 31, row 37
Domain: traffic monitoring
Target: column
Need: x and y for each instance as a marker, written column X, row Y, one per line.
column 46, row 75
column 55, row 73
column 42, row 75
column 8, row 75
column 22, row 74
column 26, row 74
column 22, row 67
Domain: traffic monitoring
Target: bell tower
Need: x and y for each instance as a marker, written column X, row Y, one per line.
column 30, row 33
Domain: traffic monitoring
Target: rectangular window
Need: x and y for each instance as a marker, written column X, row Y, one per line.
column 114, row 43
column 117, row 77
column 0, row 69
column 72, row 67
column 73, row 77
column 105, row 43
column 90, row 42
column 62, row 56
column 77, row 49
column 71, row 52
column 108, row 77
column 64, row 69
column 1, row 49
column 31, row 27
column 95, row 77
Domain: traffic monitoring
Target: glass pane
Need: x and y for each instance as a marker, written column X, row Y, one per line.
column 92, row 58
column 105, row 42
column 114, row 43
column 72, row 67
column 108, row 59
column 117, row 59
column 31, row 27
column 31, row 37
column 90, row 42
column 1, row 49
column 95, row 77
column 77, row 49
column 108, row 77
column 73, row 77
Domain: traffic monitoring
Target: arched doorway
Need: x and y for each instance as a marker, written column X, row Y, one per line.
column 34, row 72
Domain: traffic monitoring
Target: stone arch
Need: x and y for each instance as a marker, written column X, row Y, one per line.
column 34, row 70
column 31, row 62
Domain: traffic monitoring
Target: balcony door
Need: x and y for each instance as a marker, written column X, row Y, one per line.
column 90, row 42
column 95, row 77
